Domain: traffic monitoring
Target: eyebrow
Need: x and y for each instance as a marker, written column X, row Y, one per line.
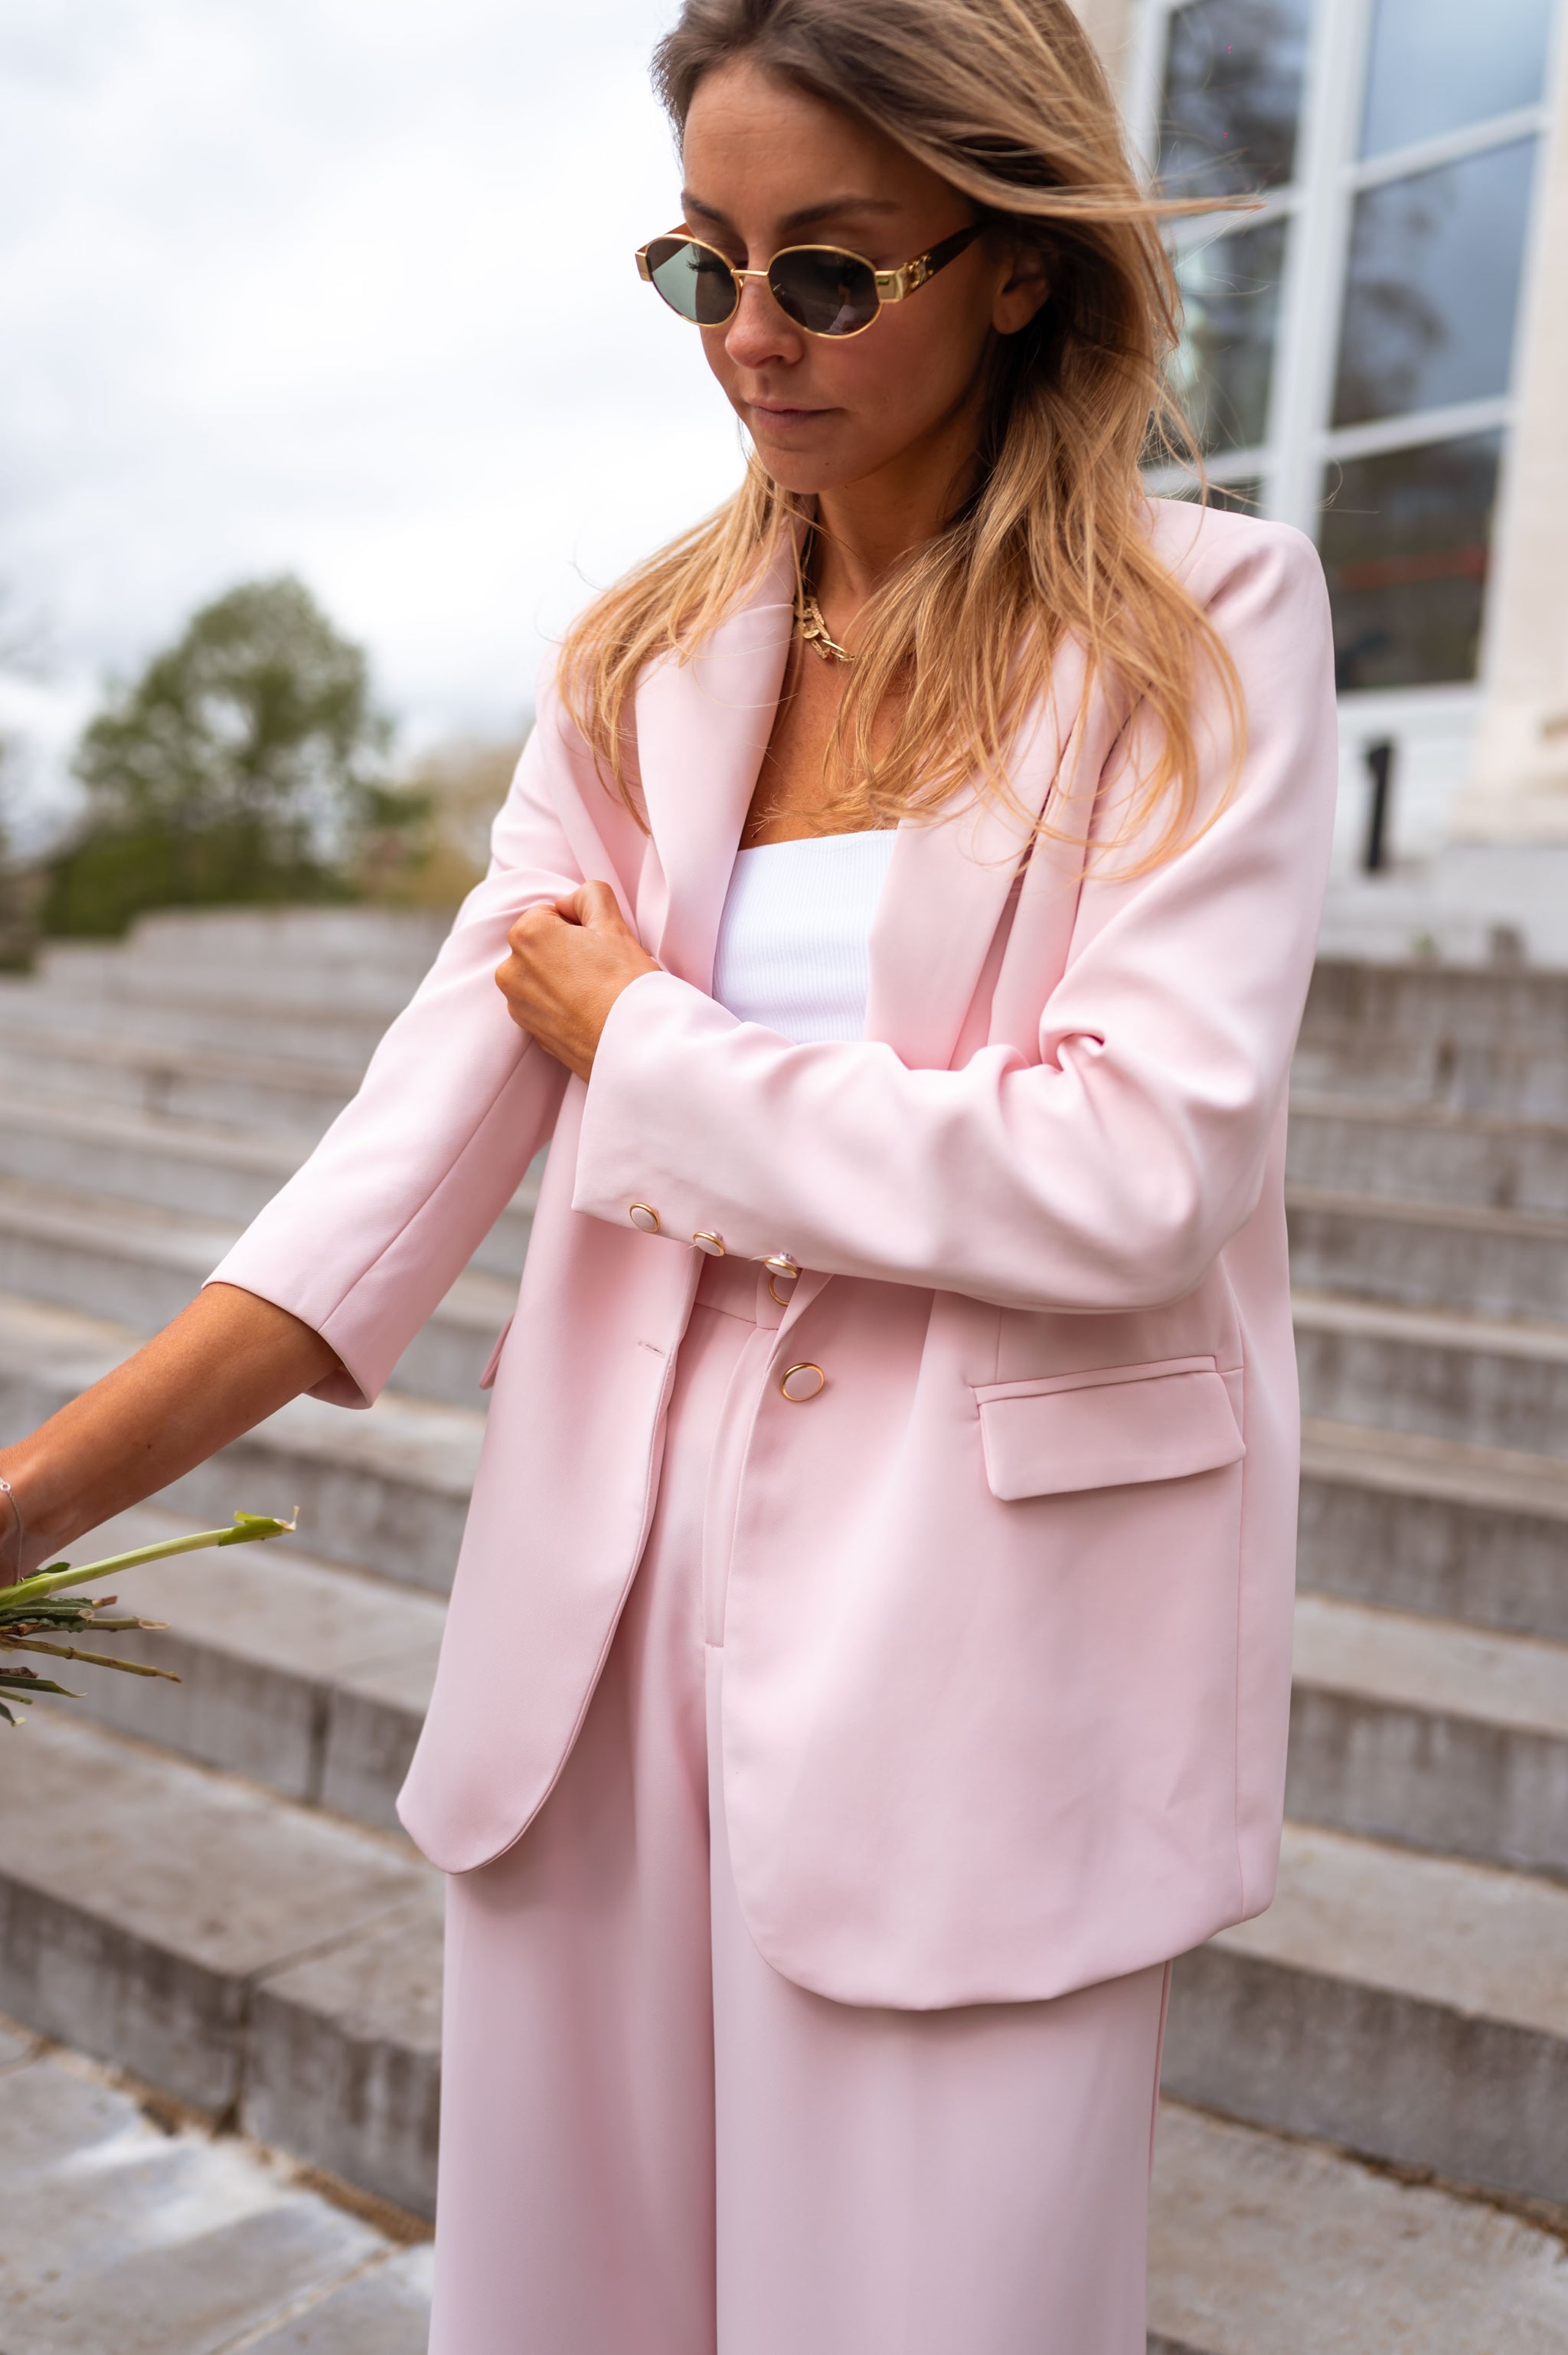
column 833, row 209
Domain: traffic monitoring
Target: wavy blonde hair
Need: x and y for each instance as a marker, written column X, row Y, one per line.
column 1007, row 101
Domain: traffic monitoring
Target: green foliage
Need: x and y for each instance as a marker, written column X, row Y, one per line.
column 16, row 895
column 244, row 765
column 113, row 875
column 36, row 1612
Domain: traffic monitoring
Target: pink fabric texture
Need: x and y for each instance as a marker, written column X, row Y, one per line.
column 989, row 1733
column 653, row 2142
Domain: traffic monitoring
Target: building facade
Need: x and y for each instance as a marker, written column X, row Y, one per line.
column 1376, row 350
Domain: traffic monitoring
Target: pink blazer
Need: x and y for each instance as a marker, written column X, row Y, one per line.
column 1007, row 1635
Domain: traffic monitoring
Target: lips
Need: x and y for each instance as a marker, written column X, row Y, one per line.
column 782, row 412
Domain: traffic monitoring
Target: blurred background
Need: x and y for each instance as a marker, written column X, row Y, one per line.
column 344, row 293
column 340, row 295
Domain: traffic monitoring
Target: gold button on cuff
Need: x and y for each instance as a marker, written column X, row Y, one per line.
column 710, row 1243
column 644, row 1216
column 800, row 1383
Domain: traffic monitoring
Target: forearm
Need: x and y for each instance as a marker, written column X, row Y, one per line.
column 1099, row 1185
column 224, row 1364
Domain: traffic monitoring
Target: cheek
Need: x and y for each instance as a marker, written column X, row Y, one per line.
column 904, row 371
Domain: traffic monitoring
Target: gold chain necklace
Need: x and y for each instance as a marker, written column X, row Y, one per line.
column 814, row 630
column 808, row 621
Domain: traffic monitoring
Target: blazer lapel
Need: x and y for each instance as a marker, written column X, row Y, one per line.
column 702, row 730
column 947, row 885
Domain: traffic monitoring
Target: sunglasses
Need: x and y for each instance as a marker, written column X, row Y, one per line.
column 823, row 289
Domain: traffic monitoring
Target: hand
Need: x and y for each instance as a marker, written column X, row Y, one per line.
column 568, row 965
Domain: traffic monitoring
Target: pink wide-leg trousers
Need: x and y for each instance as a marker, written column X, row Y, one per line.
column 652, row 2143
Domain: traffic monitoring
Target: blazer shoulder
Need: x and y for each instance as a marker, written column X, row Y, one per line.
column 1211, row 549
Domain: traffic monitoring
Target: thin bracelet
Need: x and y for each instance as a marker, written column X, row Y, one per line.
column 10, row 1495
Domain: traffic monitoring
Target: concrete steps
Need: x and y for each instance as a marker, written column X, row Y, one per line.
column 138, row 1018
column 1413, row 1035
column 1487, row 1262
column 149, row 2236
column 1433, row 1525
column 1491, row 1381
column 1264, row 2245
column 310, row 1678
column 1413, row 2007
column 141, row 1265
column 206, row 1174
column 1428, row 1153
column 1406, row 1996
column 1432, row 1733
column 270, row 1965
column 130, row 2231
column 283, row 954
column 242, row 1091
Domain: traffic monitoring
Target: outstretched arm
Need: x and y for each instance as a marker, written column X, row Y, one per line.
column 224, row 1364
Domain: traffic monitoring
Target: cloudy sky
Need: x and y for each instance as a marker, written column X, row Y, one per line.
column 344, row 286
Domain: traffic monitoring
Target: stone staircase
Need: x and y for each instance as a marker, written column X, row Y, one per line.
column 1366, row 2142
column 1405, row 1999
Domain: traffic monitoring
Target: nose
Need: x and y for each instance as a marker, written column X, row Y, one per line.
column 760, row 333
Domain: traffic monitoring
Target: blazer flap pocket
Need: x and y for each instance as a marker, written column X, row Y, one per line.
column 1107, row 1429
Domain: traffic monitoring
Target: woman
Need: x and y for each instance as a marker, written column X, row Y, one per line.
column 869, row 1656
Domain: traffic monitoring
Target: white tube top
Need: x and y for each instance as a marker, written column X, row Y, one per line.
column 794, row 940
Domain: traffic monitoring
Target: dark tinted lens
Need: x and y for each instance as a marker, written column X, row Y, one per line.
column 823, row 291
column 692, row 278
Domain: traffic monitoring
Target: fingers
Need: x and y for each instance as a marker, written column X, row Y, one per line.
column 529, row 927
column 591, row 905
column 594, row 905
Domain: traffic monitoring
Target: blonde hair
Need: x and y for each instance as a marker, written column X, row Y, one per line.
column 1007, row 101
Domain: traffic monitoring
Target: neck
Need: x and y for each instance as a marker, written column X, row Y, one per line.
column 865, row 528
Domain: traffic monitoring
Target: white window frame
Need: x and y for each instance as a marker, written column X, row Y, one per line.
column 1301, row 444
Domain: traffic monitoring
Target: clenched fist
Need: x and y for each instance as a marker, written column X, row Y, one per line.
column 567, row 966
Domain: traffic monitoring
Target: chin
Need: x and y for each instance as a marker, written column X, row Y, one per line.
column 792, row 473
column 805, row 472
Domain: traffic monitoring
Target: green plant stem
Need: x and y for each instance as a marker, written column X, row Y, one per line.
column 247, row 1530
column 94, row 1660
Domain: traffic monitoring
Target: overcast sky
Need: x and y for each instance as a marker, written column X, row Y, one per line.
column 344, row 286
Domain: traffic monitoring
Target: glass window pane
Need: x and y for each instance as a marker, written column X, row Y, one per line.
column 1406, row 543
column 1232, row 94
column 1244, row 497
column 1437, row 64
column 1433, row 285
column 1224, row 368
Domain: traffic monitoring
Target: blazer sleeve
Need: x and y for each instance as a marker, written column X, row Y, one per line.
column 367, row 1238
column 1106, row 1175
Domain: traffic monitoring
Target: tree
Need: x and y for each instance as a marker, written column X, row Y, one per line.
column 16, row 894
column 440, row 846
column 241, row 766
column 21, row 653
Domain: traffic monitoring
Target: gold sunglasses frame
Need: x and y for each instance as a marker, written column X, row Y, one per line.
column 892, row 285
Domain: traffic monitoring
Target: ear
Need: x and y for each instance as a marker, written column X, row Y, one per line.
column 1026, row 287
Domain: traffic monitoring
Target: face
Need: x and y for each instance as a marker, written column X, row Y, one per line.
column 768, row 165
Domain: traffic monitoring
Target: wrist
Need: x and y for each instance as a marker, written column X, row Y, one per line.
column 33, row 1523
column 612, row 998
column 12, row 1534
